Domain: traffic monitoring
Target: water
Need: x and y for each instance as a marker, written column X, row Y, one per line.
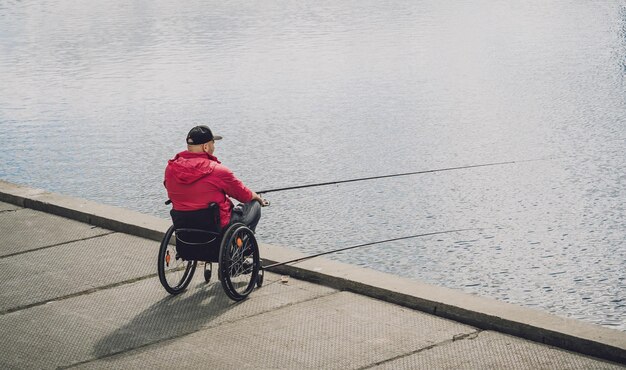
column 95, row 97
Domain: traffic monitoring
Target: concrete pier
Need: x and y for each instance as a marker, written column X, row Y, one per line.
column 79, row 289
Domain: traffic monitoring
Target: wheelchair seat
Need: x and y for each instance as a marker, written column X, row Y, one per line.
column 198, row 233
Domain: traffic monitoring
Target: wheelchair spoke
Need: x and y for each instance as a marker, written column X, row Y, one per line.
column 174, row 272
column 236, row 264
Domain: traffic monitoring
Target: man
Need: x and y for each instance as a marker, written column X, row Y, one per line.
column 195, row 178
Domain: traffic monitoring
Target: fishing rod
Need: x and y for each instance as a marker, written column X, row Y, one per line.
column 381, row 177
column 367, row 245
column 394, row 175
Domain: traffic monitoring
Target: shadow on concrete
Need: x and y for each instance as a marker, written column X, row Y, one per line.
column 171, row 317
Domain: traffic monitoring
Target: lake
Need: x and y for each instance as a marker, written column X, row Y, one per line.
column 95, row 97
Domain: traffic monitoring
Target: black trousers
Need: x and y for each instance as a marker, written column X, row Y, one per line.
column 248, row 214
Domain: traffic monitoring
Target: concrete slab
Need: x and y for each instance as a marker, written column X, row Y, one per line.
column 8, row 207
column 66, row 269
column 492, row 350
column 483, row 313
column 26, row 229
column 338, row 331
column 107, row 217
column 135, row 315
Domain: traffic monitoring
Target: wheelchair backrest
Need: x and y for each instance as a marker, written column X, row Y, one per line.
column 207, row 219
column 198, row 233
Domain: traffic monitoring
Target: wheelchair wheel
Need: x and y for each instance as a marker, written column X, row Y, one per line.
column 239, row 262
column 174, row 272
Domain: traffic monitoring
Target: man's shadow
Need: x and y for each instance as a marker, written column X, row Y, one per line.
column 170, row 317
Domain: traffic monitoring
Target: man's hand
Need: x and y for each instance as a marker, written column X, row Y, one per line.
column 262, row 202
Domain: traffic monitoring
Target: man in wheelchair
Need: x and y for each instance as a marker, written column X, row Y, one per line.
column 195, row 178
column 206, row 224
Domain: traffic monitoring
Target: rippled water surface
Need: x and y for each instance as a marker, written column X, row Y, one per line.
column 96, row 96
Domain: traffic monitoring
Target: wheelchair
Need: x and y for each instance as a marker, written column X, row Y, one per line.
column 196, row 236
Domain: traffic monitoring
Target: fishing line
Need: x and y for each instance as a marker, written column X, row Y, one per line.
column 395, row 175
column 367, row 245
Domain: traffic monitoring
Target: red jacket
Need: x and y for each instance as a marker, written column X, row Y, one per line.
column 194, row 180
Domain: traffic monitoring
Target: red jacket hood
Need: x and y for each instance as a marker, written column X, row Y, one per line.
column 188, row 167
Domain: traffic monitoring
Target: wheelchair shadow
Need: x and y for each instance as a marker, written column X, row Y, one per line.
column 171, row 317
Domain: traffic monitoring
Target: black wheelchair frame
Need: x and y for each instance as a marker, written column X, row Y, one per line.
column 196, row 236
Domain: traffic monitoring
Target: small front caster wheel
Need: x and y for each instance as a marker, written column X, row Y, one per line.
column 259, row 279
column 207, row 272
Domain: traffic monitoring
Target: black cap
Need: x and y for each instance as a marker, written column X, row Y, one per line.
column 200, row 135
